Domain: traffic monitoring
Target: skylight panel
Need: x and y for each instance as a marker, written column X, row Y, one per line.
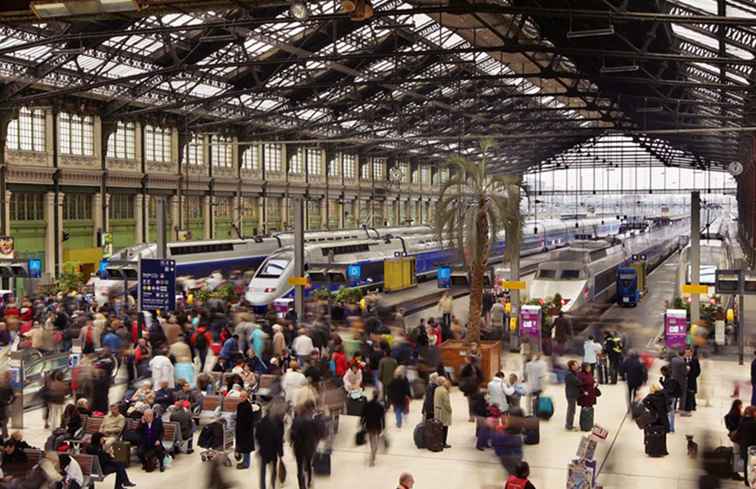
column 10, row 41
column 684, row 32
column 738, row 52
column 709, row 6
column 33, row 52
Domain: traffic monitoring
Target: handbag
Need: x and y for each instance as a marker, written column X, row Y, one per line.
column 281, row 471
column 360, row 438
column 597, row 392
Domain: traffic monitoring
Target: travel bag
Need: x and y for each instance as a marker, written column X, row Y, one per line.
column 586, row 418
column 655, row 440
column 433, row 435
column 419, row 435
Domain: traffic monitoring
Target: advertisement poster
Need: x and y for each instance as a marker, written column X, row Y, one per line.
column 7, row 248
column 444, row 277
column 530, row 321
column 675, row 328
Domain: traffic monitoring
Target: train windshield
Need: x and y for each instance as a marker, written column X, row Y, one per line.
column 570, row 274
column 545, row 274
column 273, row 268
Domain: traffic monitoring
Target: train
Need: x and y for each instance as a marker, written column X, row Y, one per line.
column 713, row 257
column 202, row 258
column 585, row 272
column 329, row 264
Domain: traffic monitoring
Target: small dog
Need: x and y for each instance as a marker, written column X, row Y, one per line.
column 692, row 447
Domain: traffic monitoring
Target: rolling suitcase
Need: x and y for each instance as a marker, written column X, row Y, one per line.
column 122, row 452
column 655, row 440
column 433, row 435
column 586, row 418
column 532, row 431
column 321, row 462
column 545, row 408
column 355, row 406
column 419, row 435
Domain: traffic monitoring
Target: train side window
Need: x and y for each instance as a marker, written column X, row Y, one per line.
column 546, row 273
column 570, row 274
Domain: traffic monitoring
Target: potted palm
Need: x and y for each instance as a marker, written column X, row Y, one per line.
column 474, row 207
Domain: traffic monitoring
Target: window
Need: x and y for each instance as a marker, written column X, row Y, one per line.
column 570, row 274
column 296, row 162
column 76, row 134
column 365, row 171
column 334, row 165
column 224, row 207
column 425, row 175
column 251, row 158
column 121, row 144
column 249, row 207
column 379, row 166
column 415, row 175
column 314, row 161
column 77, row 207
column 350, row 166
column 27, row 133
column 221, row 153
column 195, row 207
column 27, row 206
column 157, row 144
column 404, row 169
column 443, row 175
column 121, row 206
column 272, row 156
column 193, row 152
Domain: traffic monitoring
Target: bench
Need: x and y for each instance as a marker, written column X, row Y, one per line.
column 229, row 405
column 171, row 435
column 90, row 469
column 33, row 457
column 91, row 426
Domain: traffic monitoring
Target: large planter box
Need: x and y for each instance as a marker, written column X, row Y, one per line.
column 454, row 354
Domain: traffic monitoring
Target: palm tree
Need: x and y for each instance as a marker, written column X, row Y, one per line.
column 474, row 207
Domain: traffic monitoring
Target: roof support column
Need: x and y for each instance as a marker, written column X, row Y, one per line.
column 6, row 116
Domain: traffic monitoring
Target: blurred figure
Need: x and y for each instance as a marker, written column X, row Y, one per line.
column 269, row 434
column 406, row 481
column 562, row 333
column 636, row 375
column 399, row 395
column 304, row 438
column 519, row 479
column 373, row 421
column 745, row 436
column 587, row 398
column 7, row 397
column 535, row 373
column 245, row 430
column 442, row 406
column 469, row 381
column 571, row 392
column 498, row 392
column 216, row 475
column 655, row 435
column 591, row 350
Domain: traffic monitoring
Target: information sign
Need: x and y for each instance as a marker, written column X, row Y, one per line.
column 354, row 273
column 157, row 285
column 443, row 276
column 530, row 321
column 675, row 328
column 35, row 268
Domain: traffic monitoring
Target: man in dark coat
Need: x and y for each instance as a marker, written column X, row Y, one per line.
column 572, row 392
column 304, row 438
column 245, row 430
column 151, row 441
column 636, row 375
column 694, row 370
column 373, row 422
column 678, row 370
column 269, row 434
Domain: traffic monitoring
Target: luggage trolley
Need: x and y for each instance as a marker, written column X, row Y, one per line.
column 217, row 439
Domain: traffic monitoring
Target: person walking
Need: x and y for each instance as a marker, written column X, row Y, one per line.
column 304, row 438
column 636, row 375
column 678, row 370
column 469, row 382
column 442, row 407
column 386, row 368
column 655, row 435
column 244, row 430
column 535, row 374
column 587, row 398
column 373, row 421
column 572, row 393
column 269, row 434
column 399, row 395
column 591, row 350
column 498, row 391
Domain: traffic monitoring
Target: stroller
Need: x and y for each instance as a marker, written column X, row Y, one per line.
column 217, row 439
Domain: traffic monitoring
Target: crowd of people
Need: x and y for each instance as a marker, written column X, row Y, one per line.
column 300, row 375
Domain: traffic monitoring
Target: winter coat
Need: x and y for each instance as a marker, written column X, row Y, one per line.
column 386, row 367
column 657, row 404
column 428, row 408
column 373, row 417
column 245, row 428
column 304, row 436
column 269, row 434
column 399, row 391
column 587, row 384
column 442, row 406
column 635, row 372
column 571, row 386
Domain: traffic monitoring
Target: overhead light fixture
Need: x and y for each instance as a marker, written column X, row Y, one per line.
column 649, row 109
column 45, row 9
column 619, row 69
column 298, row 9
column 69, row 51
column 348, row 6
column 359, row 9
column 219, row 38
column 604, row 31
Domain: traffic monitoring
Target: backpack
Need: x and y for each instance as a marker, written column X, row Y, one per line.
column 200, row 340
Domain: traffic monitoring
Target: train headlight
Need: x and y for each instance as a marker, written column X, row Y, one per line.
column 269, row 290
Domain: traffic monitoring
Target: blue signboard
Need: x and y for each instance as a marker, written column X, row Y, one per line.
column 443, row 276
column 157, row 285
column 102, row 271
column 35, row 268
column 354, row 273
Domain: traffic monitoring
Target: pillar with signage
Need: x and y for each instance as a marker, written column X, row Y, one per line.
column 675, row 328
column 157, row 285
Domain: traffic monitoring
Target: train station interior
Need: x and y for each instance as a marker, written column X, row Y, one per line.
column 212, row 192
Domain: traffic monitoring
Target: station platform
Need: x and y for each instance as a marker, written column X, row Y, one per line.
column 620, row 459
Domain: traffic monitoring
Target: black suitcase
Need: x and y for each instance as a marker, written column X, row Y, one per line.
column 532, row 431
column 655, row 440
column 354, row 407
column 586, row 418
column 321, row 462
column 433, row 435
column 419, row 435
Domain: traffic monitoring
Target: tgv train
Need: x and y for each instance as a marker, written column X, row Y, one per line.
column 201, row 258
column 713, row 257
column 586, row 270
column 328, row 264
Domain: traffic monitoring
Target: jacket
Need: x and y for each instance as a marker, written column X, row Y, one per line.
column 678, row 370
column 304, row 435
column 150, row 434
column 112, row 425
column 373, row 417
column 399, row 391
column 635, row 372
column 571, row 386
column 498, row 390
column 269, row 434
column 442, row 409
column 245, row 428
column 428, row 408
column 746, row 435
column 587, row 384
column 657, row 404
column 185, row 422
column 562, row 329
column 386, row 368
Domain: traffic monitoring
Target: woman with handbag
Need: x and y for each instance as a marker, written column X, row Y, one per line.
column 587, row 399
column 399, row 395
